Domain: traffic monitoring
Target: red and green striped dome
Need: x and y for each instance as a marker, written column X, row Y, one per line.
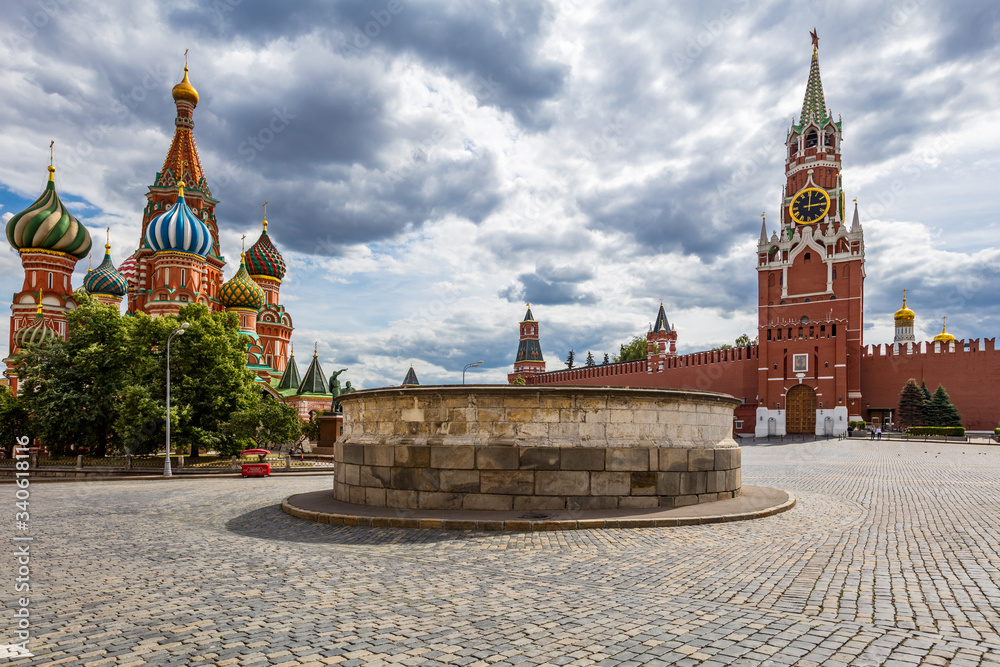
column 263, row 259
column 241, row 291
column 47, row 225
column 38, row 332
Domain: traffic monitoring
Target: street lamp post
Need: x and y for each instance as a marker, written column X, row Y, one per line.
column 166, row 462
column 467, row 367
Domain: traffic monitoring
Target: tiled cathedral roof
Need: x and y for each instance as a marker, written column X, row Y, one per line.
column 314, row 381
column 47, row 225
column 290, row 378
column 263, row 259
column 661, row 320
column 105, row 279
column 411, row 378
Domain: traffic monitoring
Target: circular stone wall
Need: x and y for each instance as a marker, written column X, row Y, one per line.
column 535, row 448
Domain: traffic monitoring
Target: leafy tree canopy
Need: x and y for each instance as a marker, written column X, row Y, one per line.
column 633, row 350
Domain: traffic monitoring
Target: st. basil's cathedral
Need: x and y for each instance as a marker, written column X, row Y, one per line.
column 178, row 262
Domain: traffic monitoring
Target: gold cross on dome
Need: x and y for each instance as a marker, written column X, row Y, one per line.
column 244, row 239
column 185, row 58
column 51, row 153
column 904, row 294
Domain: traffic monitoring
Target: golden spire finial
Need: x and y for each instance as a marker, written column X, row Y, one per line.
column 180, row 183
column 243, row 253
column 39, row 302
column 315, row 348
column 89, row 257
column 528, row 304
column 185, row 60
column 265, row 215
column 904, row 298
column 944, row 323
column 292, row 347
column 52, row 168
column 107, row 243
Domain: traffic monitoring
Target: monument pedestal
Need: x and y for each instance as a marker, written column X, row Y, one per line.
column 330, row 428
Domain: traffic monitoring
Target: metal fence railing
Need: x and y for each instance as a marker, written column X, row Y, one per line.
column 212, row 463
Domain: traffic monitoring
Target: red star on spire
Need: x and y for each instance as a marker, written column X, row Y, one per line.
column 815, row 39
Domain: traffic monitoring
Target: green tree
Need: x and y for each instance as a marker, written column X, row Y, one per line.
column 264, row 425
column 569, row 360
column 941, row 411
column 72, row 388
column 606, row 359
column 744, row 340
column 912, row 409
column 633, row 350
column 590, row 359
column 14, row 422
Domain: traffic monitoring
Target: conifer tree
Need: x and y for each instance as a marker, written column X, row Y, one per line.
column 590, row 359
column 606, row 360
column 569, row 360
column 912, row 408
column 941, row 411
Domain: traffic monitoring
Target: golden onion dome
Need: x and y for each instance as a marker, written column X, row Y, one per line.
column 185, row 91
column 944, row 336
column 904, row 314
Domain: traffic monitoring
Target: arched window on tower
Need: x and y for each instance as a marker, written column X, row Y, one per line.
column 828, row 139
column 50, row 280
column 808, row 257
column 812, row 139
column 793, row 149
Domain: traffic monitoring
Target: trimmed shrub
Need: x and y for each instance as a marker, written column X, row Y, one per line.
column 957, row 431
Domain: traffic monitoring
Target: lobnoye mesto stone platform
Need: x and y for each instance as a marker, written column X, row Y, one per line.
column 535, row 448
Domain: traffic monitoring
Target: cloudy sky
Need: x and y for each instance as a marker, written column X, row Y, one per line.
column 431, row 166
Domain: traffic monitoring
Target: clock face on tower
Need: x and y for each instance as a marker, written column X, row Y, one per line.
column 809, row 206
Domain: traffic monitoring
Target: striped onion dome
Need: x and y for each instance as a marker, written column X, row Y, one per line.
column 263, row 259
column 47, row 225
column 105, row 279
column 36, row 333
column 178, row 229
column 241, row 291
column 128, row 270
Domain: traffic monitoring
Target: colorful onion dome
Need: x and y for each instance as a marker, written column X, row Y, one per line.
column 105, row 279
column 128, row 270
column 904, row 314
column 38, row 332
column 47, row 225
column 184, row 91
column 178, row 229
column 263, row 259
column 944, row 336
column 241, row 291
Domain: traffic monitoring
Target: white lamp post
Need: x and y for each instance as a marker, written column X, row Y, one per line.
column 467, row 367
column 166, row 463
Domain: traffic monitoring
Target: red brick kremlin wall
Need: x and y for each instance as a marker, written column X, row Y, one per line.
column 971, row 377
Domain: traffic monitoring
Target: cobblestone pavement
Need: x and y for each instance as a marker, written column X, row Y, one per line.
column 890, row 557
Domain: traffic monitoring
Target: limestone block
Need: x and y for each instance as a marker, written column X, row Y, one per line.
column 628, row 458
column 501, row 430
column 621, row 416
column 539, row 503
column 497, row 458
column 643, row 483
column 701, row 459
column 725, row 459
column 342, row 492
column 562, row 483
column 531, row 431
column 459, row 481
column 453, row 458
column 412, row 456
column 545, row 415
column 609, row 483
column 538, row 458
column 673, row 459
column 456, row 428
column 638, row 502
column 489, row 414
column 379, row 477
column 716, row 481
column 591, row 503
column 378, row 455
column 668, row 483
column 517, row 482
column 436, row 500
column 412, row 415
column 733, row 479
column 375, row 497
column 592, row 433
column 352, row 474
column 401, row 499
column 416, row 479
column 575, row 458
column 354, row 453
column 693, row 483
column 357, row 496
column 486, row 501
column 681, row 501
